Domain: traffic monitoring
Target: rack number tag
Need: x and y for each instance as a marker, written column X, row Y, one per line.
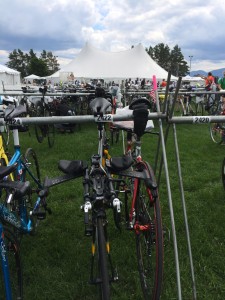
column 201, row 120
column 104, row 118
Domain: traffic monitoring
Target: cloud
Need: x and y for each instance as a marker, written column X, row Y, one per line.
column 63, row 27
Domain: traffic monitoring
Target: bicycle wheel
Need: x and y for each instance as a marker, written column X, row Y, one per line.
column 223, row 173
column 32, row 174
column 15, row 270
column 212, row 105
column 32, row 169
column 50, row 132
column 217, row 132
column 40, row 130
column 102, row 260
column 149, row 238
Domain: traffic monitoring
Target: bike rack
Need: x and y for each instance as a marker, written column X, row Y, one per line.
column 160, row 116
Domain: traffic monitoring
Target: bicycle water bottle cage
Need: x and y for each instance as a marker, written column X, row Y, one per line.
column 99, row 106
column 120, row 163
column 140, row 113
column 73, row 167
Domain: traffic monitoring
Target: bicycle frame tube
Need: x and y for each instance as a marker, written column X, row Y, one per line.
column 101, row 137
column 23, row 224
column 5, row 266
column 3, row 155
column 16, row 159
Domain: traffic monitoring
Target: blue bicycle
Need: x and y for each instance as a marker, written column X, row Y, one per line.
column 11, row 286
column 26, row 213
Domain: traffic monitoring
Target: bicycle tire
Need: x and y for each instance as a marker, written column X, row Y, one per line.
column 217, row 131
column 102, row 261
column 34, row 176
column 223, row 173
column 14, row 263
column 40, row 130
column 32, row 164
column 50, row 132
column 149, row 238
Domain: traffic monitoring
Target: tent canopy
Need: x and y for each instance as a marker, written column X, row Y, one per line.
column 9, row 76
column 192, row 78
column 32, row 76
column 132, row 63
column 4, row 69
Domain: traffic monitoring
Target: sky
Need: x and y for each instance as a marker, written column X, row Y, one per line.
column 64, row 26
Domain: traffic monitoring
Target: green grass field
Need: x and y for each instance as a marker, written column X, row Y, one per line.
column 56, row 260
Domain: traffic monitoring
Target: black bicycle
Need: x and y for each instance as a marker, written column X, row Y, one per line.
column 44, row 108
column 100, row 181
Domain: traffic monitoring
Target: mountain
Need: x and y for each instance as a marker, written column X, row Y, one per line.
column 216, row 73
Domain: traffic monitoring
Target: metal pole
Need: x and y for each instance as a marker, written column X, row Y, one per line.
column 185, row 213
column 170, row 203
column 190, row 56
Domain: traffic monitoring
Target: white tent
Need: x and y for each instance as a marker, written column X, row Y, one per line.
column 9, row 76
column 32, row 77
column 95, row 63
column 54, row 77
column 192, row 78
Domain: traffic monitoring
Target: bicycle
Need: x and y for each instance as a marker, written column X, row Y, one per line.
column 142, row 208
column 45, row 109
column 99, row 182
column 27, row 214
column 11, row 284
column 217, row 130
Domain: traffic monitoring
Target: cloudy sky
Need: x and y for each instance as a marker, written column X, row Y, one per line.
column 63, row 27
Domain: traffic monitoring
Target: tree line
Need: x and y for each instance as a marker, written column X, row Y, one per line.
column 169, row 59
column 47, row 64
column 30, row 63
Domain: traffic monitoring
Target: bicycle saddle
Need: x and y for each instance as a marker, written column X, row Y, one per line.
column 20, row 188
column 12, row 112
column 6, row 170
column 140, row 103
column 140, row 108
column 100, row 105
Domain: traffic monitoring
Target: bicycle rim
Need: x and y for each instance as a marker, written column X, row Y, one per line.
column 102, row 261
column 50, row 131
column 32, row 174
column 14, row 263
column 149, row 241
column 39, row 129
column 51, row 135
column 216, row 132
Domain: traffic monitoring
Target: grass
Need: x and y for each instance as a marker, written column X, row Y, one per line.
column 56, row 260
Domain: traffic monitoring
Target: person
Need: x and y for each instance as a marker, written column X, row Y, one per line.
column 143, row 83
column 221, row 86
column 163, row 83
column 209, row 81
